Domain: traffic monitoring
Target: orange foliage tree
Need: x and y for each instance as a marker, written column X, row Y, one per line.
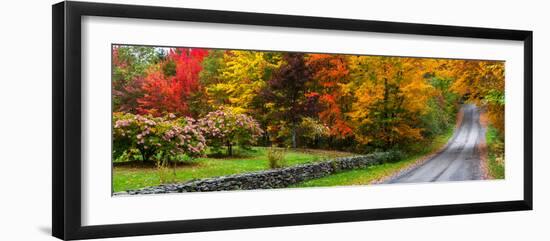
column 331, row 73
column 391, row 93
column 481, row 82
column 314, row 100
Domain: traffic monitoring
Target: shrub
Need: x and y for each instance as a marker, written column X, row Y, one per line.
column 125, row 129
column 312, row 130
column 389, row 156
column 276, row 157
column 156, row 138
column 495, row 144
column 225, row 128
column 165, row 174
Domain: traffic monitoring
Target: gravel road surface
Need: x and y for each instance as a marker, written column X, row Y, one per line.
column 458, row 161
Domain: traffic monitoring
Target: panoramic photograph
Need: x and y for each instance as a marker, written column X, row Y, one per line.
column 188, row 119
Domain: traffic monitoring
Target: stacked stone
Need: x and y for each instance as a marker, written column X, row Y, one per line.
column 275, row 178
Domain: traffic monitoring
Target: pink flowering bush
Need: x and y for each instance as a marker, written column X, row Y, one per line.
column 156, row 138
column 225, row 128
column 169, row 138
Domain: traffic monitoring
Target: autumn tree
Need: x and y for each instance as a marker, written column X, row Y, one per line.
column 330, row 72
column 391, row 93
column 441, row 107
column 211, row 66
column 129, row 67
column 165, row 93
column 312, row 100
column 286, row 92
column 481, row 82
column 237, row 76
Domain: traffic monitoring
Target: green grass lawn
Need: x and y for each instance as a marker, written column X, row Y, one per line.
column 495, row 153
column 372, row 173
column 135, row 175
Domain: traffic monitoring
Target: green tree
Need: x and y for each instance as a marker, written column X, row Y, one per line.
column 130, row 65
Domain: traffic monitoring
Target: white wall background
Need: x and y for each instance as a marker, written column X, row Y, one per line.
column 25, row 120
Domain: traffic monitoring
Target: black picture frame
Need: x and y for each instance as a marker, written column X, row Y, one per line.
column 66, row 127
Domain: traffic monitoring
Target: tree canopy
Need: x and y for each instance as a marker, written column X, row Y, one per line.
column 351, row 102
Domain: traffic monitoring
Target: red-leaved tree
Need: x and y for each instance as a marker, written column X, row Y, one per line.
column 329, row 72
column 170, row 92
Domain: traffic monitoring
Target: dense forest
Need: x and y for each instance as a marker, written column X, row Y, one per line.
column 178, row 101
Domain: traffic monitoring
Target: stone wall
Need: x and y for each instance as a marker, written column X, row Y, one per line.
column 275, row 178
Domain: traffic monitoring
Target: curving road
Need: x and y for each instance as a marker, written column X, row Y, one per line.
column 458, row 161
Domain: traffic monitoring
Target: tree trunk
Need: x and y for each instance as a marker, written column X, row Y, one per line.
column 229, row 149
column 145, row 154
column 293, row 136
column 385, row 114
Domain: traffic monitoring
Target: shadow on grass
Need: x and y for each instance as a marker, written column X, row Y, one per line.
column 238, row 153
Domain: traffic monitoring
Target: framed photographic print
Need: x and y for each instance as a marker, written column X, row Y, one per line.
column 169, row 120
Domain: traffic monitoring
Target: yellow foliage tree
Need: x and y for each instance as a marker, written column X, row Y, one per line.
column 241, row 76
column 391, row 93
column 481, row 82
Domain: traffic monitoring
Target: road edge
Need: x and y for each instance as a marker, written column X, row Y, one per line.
column 482, row 147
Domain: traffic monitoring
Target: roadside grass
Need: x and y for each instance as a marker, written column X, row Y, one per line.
column 135, row 175
column 495, row 148
column 377, row 172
